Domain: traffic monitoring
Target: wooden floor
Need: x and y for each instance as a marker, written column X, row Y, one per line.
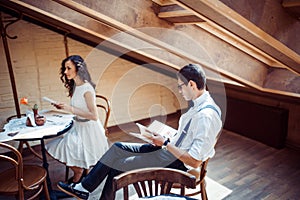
column 250, row 169
column 255, row 171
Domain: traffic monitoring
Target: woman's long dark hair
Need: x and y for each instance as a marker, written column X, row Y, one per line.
column 81, row 70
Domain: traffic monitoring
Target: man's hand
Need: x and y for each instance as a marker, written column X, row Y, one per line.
column 157, row 139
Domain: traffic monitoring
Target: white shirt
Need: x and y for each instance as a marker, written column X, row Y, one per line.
column 204, row 128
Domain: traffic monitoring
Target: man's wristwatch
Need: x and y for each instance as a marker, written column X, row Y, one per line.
column 164, row 146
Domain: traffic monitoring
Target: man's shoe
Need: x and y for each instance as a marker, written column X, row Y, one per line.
column 69, row 189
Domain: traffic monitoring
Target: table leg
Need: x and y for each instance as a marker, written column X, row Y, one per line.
column 54, row 194
column 46, row 165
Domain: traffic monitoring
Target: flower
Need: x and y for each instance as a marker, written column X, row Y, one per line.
column 24, row 101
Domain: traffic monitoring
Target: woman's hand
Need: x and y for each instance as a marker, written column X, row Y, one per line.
column 57, row 105
column 63, row 106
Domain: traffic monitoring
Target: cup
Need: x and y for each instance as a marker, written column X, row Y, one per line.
column 40, row 120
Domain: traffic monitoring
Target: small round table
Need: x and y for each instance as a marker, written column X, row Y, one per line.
column 57, row 123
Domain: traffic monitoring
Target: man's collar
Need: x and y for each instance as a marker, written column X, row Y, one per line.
column 200, row 99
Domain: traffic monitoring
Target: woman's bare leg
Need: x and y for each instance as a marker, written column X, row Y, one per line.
column 77, row 173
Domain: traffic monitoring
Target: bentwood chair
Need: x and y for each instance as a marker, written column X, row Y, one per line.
column 23, row 181
column 200, row 174
column 22, row 143
column 104, row 108
column 153, row 181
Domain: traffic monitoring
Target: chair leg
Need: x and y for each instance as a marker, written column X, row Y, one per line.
column 67, row 174
column 46, row 191
column 203, row 191
column 33, row 151
column 20, row 148
column 21, row 194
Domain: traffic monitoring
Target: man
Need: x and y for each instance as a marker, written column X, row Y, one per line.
column 193, row 143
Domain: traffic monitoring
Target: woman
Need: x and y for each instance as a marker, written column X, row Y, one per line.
column 83, row 145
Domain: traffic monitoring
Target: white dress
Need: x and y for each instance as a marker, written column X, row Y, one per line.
column 85, row 143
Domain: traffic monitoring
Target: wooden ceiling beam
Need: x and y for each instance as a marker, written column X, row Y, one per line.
column 290, row 3
column 293, row 7
column 176, row 14
column 164, row 2
column 183, row 20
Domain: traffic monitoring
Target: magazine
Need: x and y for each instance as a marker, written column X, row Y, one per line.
column 49, row 100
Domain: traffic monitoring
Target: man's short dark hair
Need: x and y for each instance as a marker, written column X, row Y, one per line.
column 193, row 72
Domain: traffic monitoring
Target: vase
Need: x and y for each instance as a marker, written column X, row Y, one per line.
column 35, row 113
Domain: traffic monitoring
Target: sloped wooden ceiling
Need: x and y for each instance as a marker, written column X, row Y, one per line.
column 214, row 14
column 153, row 23
column 266, row 30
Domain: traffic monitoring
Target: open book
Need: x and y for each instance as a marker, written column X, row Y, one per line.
column 155, row 127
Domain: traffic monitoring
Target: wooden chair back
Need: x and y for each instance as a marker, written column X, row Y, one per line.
column 200, row 174
column 153, row 181
column 104, row 107
column 17, row 178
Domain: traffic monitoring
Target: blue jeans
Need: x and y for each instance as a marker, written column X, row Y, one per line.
column 122, row 157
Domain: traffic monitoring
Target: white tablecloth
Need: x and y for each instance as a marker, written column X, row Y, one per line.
column 55, row 122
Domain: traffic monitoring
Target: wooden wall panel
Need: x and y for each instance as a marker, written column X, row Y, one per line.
column 263, row 123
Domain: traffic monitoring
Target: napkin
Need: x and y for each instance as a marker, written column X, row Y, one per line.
column 31, row 118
